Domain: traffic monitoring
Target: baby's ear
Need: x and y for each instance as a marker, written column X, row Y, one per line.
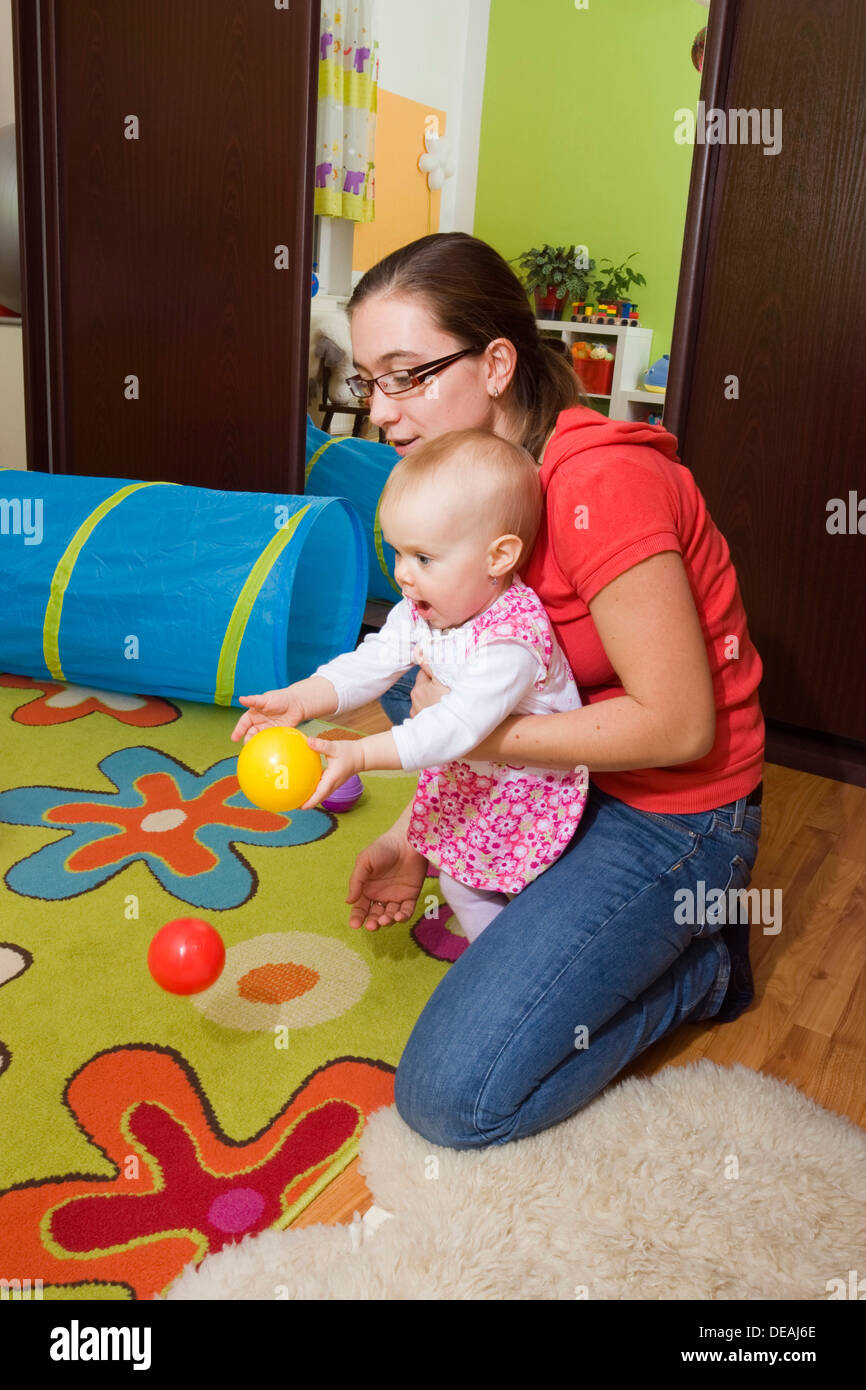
column 509, row 548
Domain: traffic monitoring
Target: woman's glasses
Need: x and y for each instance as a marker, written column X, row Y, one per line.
column 408, row 379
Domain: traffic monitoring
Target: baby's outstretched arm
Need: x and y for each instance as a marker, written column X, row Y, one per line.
column 490, row 685
column 349, row 756
column 309, row 699
column 344, row 683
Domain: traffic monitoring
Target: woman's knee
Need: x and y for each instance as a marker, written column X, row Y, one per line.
column 437, row 1103
column 456, row 1116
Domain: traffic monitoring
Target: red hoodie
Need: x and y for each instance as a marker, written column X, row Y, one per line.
column 616, row 493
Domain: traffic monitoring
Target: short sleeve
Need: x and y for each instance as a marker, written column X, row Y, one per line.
column 606, row 515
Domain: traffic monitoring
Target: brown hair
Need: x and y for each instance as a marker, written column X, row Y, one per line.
column 473, row 294
column 494, row 478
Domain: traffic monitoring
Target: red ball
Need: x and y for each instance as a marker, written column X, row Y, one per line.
column 186, row 956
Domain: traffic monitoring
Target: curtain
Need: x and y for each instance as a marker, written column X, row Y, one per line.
column 346, row 124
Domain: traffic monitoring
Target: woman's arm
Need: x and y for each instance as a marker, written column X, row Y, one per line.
column 649, row 628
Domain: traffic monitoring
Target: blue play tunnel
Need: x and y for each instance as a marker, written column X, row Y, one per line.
column 340, row 466
column 187, row 592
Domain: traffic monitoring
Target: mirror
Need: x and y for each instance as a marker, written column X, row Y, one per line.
column 562, row 136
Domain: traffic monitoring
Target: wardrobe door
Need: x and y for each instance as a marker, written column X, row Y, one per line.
column 165, row 168
column 768, row 385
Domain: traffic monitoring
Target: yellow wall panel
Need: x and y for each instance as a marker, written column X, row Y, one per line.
column 402, row 212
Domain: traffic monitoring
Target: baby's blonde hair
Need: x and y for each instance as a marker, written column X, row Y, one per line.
column 497, row 479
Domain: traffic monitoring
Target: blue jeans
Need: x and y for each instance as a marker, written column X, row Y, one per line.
column 396, row 701
column 581, row 972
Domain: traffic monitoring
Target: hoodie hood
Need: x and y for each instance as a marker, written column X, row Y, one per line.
column 580, row 429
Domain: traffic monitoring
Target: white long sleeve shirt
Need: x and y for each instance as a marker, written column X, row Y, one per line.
column 487, row 683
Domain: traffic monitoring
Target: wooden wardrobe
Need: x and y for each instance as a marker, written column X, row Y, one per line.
column 165, row 156
column 767, row 391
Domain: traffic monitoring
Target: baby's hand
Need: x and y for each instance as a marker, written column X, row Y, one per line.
column 265, row 711
column 345, row 758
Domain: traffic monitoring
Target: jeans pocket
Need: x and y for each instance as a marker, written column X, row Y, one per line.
column 653, row 835
column 717, row 907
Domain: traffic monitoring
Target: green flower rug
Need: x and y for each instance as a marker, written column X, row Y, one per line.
column 143, row 1130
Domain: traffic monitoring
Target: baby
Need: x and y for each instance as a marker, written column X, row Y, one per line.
column 461, row 512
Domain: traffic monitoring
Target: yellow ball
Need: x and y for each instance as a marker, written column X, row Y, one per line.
column 278, row 770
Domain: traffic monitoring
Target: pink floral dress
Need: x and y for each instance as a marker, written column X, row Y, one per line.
column 497, row 826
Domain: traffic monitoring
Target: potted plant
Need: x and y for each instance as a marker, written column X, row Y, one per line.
column 556, row 275
column 612, row 286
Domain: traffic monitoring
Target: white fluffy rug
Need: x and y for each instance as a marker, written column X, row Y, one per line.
column 700, row 1182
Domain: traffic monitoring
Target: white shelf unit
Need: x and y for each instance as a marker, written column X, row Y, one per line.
column 656, row 399
column 631, row 359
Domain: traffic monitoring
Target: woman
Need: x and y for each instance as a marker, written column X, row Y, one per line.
column 611, row 947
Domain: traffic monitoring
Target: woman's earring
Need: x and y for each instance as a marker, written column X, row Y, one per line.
column 496, row 393
column 493, row 580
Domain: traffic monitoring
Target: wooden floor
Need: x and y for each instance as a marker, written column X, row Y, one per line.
column 808, row 1022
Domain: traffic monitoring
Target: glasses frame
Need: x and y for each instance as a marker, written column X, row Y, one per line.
column 428, row 368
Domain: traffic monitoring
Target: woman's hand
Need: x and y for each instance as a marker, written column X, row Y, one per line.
column 267, row 710
column 387, row 875
column 427, row 690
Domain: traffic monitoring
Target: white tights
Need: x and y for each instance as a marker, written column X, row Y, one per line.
column 474, row 908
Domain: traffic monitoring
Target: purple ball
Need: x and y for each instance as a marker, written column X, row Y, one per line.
column 345, row 796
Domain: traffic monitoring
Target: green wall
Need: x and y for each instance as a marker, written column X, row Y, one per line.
column 577, row 135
